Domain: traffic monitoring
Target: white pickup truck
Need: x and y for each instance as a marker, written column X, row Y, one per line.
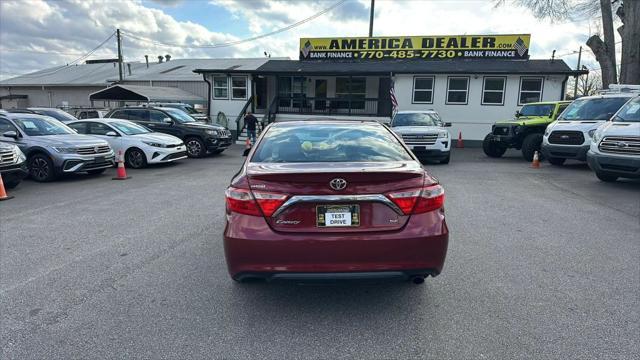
column 569, row 137
column 615, row 146
column 424, row 133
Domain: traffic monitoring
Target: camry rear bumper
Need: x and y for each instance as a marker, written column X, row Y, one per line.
column 254, row 250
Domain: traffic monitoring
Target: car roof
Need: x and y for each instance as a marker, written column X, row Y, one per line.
column 417, row 111
column 43, row 108
column 549, row 102
column 354, row 123
column 11, row 115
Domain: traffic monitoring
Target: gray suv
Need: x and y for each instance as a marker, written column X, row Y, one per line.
column 52, row 148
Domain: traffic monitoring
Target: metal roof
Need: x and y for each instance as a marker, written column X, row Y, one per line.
column 385, row 67
column 73, row 75
column 143, row 93
column 182, row 69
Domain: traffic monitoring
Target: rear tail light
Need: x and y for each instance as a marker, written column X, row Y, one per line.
column 418, row 201
column 242, row 201
column 269, row 202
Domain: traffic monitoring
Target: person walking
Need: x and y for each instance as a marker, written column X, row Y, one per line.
column 250, row 122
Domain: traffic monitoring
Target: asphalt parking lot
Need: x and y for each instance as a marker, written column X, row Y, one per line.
column 542, row 263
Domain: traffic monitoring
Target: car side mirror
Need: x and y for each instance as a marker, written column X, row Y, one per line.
column 551, row 115
column 518, row 114
column 111, row 133
column 167, row 120
column 10, row 134
column 246, row 152
column 447, row 124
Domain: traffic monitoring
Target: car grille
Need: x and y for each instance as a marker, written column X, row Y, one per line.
column 224, row 133
column 427, row 139
column 90, row 150
column 566, row 137
column 501, row 130
column 7, row 157
column 621, row 145
column 174, row 145
column 175, row 155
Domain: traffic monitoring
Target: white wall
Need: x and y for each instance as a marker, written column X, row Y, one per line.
column 52, row 96
column 231, row 108
column 473, row 120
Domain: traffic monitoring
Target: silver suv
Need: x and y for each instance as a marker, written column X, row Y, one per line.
column 13, row 165
column 52, row 148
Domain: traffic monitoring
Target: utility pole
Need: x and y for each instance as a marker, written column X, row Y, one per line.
column 119, row 39
column 373, row 2
column 575, row 85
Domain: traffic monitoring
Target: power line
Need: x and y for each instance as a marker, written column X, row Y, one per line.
column 237, row 42
column 55, row 70
column 39, row 51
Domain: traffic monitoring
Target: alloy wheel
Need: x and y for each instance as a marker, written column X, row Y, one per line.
column 39, row 168
column 194, row 148
column 136, row 159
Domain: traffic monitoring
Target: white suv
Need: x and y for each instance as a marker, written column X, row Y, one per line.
column 569, row 137
column 615, row 149
column 424, row 133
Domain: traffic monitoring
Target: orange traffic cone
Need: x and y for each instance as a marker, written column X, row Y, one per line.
column 247, row 144
column 536, row 161
column 122, row 172
column 460, row 143
column 3, row 193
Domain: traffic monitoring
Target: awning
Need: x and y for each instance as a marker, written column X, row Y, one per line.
column 144, row 94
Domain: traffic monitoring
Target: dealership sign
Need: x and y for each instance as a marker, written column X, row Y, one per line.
column 417, row 47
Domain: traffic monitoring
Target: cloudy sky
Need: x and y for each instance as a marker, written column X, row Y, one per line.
column 37, row 34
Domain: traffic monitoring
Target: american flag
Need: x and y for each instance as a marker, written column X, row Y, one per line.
column 394, row 100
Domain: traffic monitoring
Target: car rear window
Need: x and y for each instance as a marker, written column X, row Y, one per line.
column 329, row 143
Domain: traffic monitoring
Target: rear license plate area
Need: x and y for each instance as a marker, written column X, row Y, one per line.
column 337, row 215
column 419, row 148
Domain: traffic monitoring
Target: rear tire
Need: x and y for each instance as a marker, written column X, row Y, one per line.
column 11, row 184
column 491, row 148
column 446, row 160
column 41, row 168
column 135, row 158
column 530, row 145
column 606, row 177
column 195, row 147
column 557, row 161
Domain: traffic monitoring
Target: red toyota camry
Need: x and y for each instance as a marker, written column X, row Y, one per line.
column 333, row 200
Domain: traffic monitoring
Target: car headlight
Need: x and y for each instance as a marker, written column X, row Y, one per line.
column 154, row 144
column 20, row 155
column 443, row 135
column 595, row 135
column 547, row 131
column 516, row 130
column 592, row 132
column 211, row 132
column 65, row 150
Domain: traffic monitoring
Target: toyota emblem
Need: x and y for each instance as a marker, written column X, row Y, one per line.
column 338, row 184
column 622, row 144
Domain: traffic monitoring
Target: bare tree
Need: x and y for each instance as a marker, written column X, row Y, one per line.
column 628, row 11
column 588, row 84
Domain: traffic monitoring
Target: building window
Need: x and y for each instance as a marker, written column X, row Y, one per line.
column 220, row 87
column 292, row 91
column 355, row 90
column 530, row 90
column 238, row 87
column 457, row 90
column 423, row 90
column 493, row 90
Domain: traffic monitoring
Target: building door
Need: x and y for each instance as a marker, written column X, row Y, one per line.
column 384, row 98
column 321, row 92
column 261, row 92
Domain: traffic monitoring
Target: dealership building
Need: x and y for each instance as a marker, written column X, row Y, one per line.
column 471, row 81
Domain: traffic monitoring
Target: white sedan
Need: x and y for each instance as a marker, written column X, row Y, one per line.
column 138, row 145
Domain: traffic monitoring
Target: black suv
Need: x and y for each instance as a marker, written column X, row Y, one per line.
column 199, row 138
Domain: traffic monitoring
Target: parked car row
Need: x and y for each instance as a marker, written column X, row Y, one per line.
column 602, row 130
column 45, row 147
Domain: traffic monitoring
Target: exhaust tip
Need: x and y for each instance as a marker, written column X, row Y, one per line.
column 418, row 279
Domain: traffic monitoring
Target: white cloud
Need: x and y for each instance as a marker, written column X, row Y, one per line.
column 68, row 27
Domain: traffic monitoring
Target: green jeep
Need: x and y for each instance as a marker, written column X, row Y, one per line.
column 525, row 131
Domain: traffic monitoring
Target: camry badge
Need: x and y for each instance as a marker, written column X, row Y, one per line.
column 338, row 184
